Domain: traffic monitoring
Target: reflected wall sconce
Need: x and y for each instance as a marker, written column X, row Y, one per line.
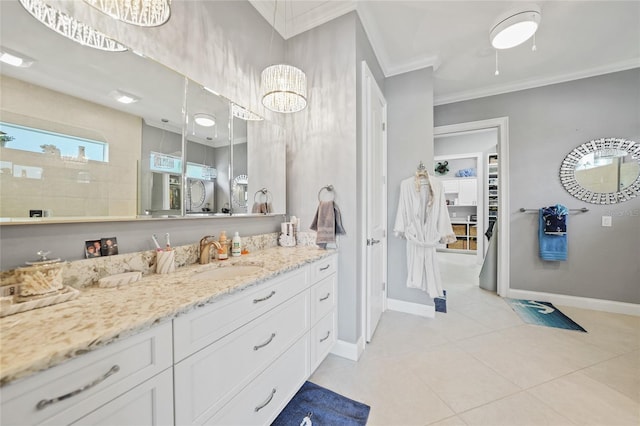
column 143, row 13
column 515, row 27
column 70, row 27
column 284, row 87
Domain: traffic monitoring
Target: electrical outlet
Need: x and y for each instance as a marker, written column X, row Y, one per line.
column 8, row 290
column 606, row 221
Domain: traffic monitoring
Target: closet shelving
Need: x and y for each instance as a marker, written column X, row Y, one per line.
column 462, row 195
column 492, row 187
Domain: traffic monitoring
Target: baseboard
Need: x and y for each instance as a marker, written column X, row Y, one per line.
column 578, row 302
column 428, row 311
column 351, row 351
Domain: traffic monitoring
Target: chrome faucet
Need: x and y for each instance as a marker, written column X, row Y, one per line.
column 205, row 248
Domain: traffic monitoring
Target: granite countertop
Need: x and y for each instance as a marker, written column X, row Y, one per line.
column 35, row 340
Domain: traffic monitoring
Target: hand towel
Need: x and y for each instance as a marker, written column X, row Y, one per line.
column 324, row 223
column 263, row 208
column 555, row 219
column 552, row 246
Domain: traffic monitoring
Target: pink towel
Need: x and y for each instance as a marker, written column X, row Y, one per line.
column 324, row 223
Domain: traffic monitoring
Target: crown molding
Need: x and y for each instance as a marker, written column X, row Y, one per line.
column 539, row 82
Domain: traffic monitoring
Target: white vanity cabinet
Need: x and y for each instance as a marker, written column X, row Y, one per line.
column 260, row 353
column 129, row 378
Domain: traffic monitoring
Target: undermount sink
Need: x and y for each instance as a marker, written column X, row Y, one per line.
column 227, row 272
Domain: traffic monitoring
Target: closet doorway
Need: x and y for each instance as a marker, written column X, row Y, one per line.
column 483, row 146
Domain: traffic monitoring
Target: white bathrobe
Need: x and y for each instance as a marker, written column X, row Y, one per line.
column 423, row 219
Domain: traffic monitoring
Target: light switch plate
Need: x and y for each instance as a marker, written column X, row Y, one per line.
column 606, row 221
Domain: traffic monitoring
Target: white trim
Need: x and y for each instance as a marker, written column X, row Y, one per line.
column 502, row 124
column 427, row 311
column 347, row 350
column 531, row 84
column 578, row 302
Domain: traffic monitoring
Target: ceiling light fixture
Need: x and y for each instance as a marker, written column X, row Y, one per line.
column 515, row 27
column 204, row 120
column 70, row 27
column 124, row 97
column 284, row 87
column 15, row 59
column 144, row 13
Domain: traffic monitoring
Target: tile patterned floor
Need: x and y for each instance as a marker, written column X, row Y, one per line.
column 479, row 364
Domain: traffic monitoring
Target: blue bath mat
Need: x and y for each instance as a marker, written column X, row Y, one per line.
column 441, row 302
column 327, row 408
column 542, row 313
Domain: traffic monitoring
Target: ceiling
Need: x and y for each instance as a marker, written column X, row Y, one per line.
column 576, row 39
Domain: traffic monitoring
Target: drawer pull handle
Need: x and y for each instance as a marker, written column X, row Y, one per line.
column 264, row 298
column 273, row 335
column 326, row 267
column 261, row 406
column 322, row 299
column 46, row 402
column 325, row 337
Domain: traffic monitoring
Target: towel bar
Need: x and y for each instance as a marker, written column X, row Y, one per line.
column 328, row 188
column 582, row 210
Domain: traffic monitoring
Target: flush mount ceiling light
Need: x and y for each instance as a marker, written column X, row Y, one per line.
column 144, row 13
column 15, row 59
column 70, row 27
column 204, row 120
column 284, row 87
column 124, row 97
column 244, row 114
column 515, row 27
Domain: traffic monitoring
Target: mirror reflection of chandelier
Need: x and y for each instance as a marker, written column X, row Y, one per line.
column 69, row 27
column 144, row 13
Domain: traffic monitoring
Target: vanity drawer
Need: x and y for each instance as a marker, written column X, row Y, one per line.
column 262, row 401
column 323, row 297
column 208, row 324
column 323, row 268
column 71, row 390
column 209, row 378
column 323, row 336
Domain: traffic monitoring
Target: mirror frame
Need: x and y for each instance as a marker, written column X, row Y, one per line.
column 573, row 187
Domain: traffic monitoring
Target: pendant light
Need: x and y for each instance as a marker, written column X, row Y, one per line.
column 284, row 87
column 143, row 13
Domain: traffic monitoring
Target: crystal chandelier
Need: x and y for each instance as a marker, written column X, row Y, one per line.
column 70, row 27
column 144, row 13
column 284, row 87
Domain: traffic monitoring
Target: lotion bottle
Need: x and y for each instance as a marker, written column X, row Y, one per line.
column 223, row 251
column 236, row 245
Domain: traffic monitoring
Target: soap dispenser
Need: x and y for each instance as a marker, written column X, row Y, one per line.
column 236, row 245
column 223, row 251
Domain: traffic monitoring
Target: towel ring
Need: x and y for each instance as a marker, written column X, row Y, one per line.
column 266, row 195
column 328, row 188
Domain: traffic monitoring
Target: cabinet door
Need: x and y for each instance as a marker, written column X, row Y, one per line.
column 450, row 186
column 468, row 194
column 150, row 403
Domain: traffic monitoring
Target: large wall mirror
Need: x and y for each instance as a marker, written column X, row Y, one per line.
column 71, row 151
column 603, row 171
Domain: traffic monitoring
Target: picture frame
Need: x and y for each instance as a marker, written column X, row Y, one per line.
column 92, row 248
column 109, row 246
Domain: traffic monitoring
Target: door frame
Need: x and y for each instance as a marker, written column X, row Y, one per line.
column 368, row 84
column 502, row 125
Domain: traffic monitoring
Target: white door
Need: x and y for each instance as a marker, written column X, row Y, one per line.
column 375, row 148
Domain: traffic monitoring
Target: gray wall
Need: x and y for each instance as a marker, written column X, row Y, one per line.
column 545, row 124
column 322, row 148
column 409, row 141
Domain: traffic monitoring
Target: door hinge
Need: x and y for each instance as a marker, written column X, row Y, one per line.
column 384, row 286
column 384, row 126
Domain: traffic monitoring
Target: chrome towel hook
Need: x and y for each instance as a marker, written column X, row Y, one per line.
column 328, row 188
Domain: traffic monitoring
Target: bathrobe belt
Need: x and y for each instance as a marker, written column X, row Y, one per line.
column 421, row 243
